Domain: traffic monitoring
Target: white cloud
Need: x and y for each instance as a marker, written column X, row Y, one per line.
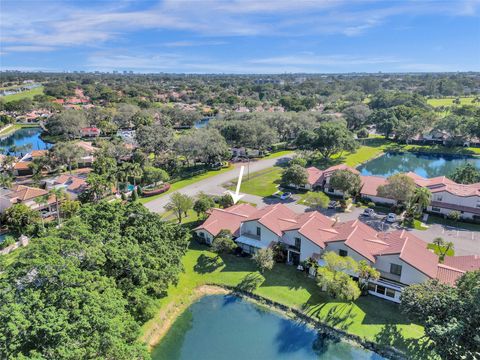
column 52, row 23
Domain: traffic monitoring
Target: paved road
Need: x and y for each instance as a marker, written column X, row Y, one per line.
column 213, row 185
column 466, row 242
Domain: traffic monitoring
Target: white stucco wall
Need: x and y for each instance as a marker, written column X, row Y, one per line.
column 340, row 245
column 410, row 275
column 379, row 200
column 206, row 235
column 266, row 237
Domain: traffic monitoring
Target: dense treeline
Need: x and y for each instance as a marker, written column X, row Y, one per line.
column 81, row 291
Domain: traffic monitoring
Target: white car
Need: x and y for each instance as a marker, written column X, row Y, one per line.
column 391, row 218
column 286, row 195
column 369, row 212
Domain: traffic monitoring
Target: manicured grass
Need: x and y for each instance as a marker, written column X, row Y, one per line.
column 16, row 127
column 416, row 224
column 433, row 219
column 182, row 183
column 25, row 94
column 262, row 183
column 369, row 317
column 279, row 154
column 436, row 102
column 439, row 249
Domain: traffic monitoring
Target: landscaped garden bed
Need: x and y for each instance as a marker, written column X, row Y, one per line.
column 157, row 191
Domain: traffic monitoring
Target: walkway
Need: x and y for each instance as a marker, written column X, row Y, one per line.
column 213, row 185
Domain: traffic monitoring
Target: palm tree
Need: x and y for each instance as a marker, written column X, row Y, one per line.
column 135, row 171
column 422, row 196
column 443, row 247
column 40, row 201
column 59, row 195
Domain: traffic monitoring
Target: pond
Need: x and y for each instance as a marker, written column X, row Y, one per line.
column 221, row 327
column 23, row 141
column 426, row 165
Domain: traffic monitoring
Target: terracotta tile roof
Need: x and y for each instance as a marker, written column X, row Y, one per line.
column 370, row 184
column 23, row 193
column 22, row 165
column 334, row 168
column 314, row 175
column 73, row 183
column 444, row 205
column 276, row 218
column 229, row 219
column 465, row 263
column 412, row 250
column 462, row 190
column 88, row 147
column 38, row 153
column 448, row 275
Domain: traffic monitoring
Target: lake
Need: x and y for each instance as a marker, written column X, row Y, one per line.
column 426, row 165
column 25, row 140
column 221, row 327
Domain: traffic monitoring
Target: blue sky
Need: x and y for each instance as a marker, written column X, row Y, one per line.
column 241, row 36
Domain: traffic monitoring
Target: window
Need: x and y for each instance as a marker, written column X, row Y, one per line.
column 259, row 231
column 436, row 209
column 202, row 235
column 380, row 290
column 372, row 286
column 396, row 269
column 343, row 252
column 390, row 293
column 439, row 198
column 298, row 243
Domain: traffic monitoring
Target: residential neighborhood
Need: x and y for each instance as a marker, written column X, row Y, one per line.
column 239, row 179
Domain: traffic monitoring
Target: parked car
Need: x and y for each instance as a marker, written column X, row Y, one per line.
column 333, row 204
column 286, row 195
column 391, row 218
column 369, row 212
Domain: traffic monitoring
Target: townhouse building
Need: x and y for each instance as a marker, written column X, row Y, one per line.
column 447, row 195
column 401, row 258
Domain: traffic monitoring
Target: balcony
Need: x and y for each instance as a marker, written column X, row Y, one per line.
column 250, row 235
column 389, row 276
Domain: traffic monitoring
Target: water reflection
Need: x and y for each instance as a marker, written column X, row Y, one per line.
column 426, row 165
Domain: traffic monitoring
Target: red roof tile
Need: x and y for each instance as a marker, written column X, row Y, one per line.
column 448, row 275
column 228, row 219
column 465, row 263
column 314, row 175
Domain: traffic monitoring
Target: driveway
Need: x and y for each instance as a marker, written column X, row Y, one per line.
column 213, row 185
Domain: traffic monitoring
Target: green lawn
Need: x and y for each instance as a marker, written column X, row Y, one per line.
column 262, row 183
column 433, row 219
column 369, row 317
column 279, row 154
column 16, row 127
column 25, row 94
column 436, row 102
column 182, row 183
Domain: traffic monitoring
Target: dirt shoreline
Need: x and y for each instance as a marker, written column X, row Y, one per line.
column 172, row 311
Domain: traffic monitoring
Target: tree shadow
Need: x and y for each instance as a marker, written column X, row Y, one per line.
column 380, row 311
column 417, row 349
column 250, row 282
column 206, row 264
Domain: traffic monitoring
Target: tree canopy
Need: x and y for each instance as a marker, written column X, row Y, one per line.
column 82, row 290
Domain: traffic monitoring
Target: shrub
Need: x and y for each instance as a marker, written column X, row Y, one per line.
column 223, row 245
column 362, row 133
column 9, row 240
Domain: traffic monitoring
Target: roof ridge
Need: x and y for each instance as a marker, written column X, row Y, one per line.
column 450, row 268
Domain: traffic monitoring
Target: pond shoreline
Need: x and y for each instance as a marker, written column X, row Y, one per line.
column 172, row 312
